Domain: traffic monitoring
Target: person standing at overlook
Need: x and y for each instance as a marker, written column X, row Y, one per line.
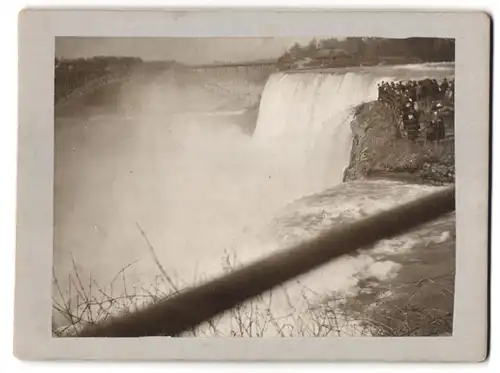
column 444, row 87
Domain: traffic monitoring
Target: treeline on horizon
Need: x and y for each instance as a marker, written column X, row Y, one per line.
column 370, row 50
column 71, row 73
column 106, row 63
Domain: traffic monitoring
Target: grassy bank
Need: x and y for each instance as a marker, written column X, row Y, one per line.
column 419, row 300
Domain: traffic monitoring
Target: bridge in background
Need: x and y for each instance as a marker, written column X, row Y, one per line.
column 62, row 99
column 236, row 65
column 70, row 90
column 251, row 70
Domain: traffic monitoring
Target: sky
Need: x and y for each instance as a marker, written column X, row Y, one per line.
column 184, row 50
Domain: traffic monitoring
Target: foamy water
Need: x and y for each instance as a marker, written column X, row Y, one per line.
column 201, row 191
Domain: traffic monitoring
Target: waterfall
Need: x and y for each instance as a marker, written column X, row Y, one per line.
column 304, row 120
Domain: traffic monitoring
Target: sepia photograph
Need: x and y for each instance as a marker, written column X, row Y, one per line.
column 178, row 160
column 253, row 185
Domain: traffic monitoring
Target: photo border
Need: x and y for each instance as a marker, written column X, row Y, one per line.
column 33, row 295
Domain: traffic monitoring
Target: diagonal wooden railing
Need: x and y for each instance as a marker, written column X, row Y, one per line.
column 188, row 309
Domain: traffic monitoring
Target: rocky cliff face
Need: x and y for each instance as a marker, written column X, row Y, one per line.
column 378, row 151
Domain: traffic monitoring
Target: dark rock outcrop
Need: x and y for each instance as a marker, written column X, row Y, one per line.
column 379, row 151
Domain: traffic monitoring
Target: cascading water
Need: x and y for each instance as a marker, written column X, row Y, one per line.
column 304, row 121
column 304, row 118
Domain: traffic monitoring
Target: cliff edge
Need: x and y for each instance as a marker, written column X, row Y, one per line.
column 379, row 152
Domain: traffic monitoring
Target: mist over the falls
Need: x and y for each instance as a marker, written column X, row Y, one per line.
column 174, row 161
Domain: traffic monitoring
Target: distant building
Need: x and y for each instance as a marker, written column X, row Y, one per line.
column 302, row 63
column 325, row 57
column 330, row 56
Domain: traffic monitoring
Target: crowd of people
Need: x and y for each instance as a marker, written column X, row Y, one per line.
column 419, row 106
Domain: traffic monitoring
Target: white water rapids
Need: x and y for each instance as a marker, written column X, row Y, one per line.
column 199, row 187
